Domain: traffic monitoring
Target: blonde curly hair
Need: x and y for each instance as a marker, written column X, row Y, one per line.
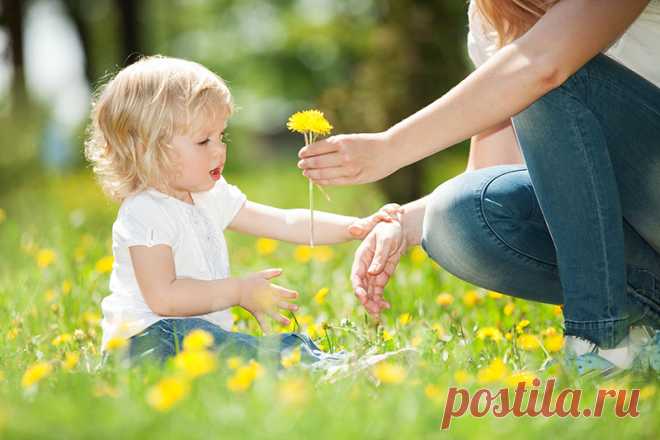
column 137, row 112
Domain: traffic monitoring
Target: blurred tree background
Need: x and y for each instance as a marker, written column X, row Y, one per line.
column 366, row 63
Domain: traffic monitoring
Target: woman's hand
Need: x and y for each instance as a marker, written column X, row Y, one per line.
column 259, row 297
column 349, row 159
column 374, row 263
column 361, row 227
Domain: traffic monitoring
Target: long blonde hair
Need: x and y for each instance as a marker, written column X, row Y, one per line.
column 512, row 18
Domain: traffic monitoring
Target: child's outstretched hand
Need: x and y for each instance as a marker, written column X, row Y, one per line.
column 360, row 228
column 259, row 297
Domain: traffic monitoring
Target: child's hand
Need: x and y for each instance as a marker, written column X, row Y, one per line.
column 374, row 263
column 259, row 297
column 360, row 228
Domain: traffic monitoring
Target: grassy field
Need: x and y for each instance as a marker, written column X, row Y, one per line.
column 54, row 267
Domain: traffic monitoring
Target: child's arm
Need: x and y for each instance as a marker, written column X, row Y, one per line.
column 293, row 225
column 168, row 296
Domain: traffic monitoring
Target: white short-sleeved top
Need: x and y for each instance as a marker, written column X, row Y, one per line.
column 195, row 234
column 638, row 48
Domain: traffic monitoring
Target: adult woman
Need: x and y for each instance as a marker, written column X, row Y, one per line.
column 579, row 223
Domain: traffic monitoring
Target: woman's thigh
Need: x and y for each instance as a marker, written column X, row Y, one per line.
column 487, row 228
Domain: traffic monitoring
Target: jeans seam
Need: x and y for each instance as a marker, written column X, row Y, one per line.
column 500, row 240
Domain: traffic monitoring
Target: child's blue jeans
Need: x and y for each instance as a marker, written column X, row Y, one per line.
column 162, row 339
column 579, row 225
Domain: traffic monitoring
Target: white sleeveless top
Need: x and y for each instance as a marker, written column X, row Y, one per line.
column 638, row 48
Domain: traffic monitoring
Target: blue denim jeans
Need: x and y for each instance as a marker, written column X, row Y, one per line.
column 163, row 339
column 579, row 223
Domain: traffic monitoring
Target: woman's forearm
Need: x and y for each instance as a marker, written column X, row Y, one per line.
column 499, row 89
column 563, row 40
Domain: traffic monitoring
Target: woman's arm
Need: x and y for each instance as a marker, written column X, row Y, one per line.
column 562, row 41
column 293, row 225
column 497, row 146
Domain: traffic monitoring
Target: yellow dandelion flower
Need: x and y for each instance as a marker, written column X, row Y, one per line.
column 309, row 121
column 62, row 339
column 66, row 287
column 444, row 299
column 508, row 336
column 116, row 343
column 549, row 331
column 319, row 296
column 554, row 343
column 386, row 336
column 494, row 295
column 647, row 391
column 315, row 331
column 45, row 257
column 104, row 265
column 244, row 376
column 528, row 342
column 12, row 333
column 521, row 325
column 470, row 298
column 70, row 361
column 302, row 254
column 433, row 392
column 234, row 362
column 390, row 373
column 495, row 371
column 3, row 215
column 91, row 318
column 322, row 254
column 492, row 333
column 292, row 358
column 35, row 373
column 516, row 377
column 293, row 392
column 417, row 255
column 509, row 308
column 438, row 330
column 305, row 320
column 266, row 246
column 167, row 392
column 196, row 363
column 462, row 377
column 405, row 318
column 50, row 295
column 197, row 340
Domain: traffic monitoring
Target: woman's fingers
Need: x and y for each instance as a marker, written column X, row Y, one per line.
column 331, row 173
column 323, row 146
column 325, row 161
column 381, row 254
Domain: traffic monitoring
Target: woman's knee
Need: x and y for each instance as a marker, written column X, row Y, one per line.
column 454, row 226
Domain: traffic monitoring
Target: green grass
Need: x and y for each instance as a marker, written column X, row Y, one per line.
column 70, row 216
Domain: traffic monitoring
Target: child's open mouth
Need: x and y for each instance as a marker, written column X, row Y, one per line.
column 215, row 173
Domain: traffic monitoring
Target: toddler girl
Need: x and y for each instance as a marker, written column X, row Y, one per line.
column 156, row 146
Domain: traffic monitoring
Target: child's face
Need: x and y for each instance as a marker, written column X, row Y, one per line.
column 202, row 154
